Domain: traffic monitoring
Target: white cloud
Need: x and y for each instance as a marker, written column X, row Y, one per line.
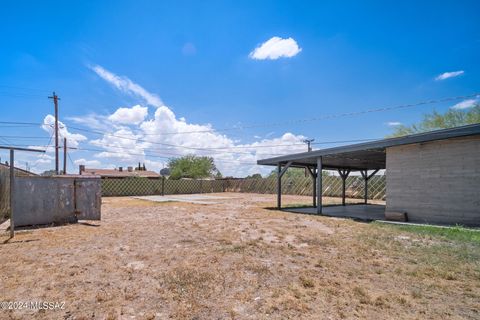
column 131, row 138
column 465, row 104
column 394, row 123
column 133, row 115
column 126, row 85
column 73, row 139
column 88, row 163
column 275, row 48
column 41, row 161
column 93, row 121
column 447, row 75
column 122, row 145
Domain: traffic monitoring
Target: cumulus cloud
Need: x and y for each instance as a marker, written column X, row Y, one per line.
column 447, row 75
column 121, row 145
column 130, row 137
column 133, row 115
column 275, row 48
column 88, row 163
column 126, row 85
column 465, row 104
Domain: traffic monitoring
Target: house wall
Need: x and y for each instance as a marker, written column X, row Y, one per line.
column 436, row 182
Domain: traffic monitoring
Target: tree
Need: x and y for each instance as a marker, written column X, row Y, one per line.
column 294, row 173
column 254, row 176
column 194, row 167
column 435, row 120
column 48, row 173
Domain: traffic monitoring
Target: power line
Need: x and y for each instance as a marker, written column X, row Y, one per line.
column 251, row 126
column 331, row 116
column 21, row 123
column 154, row 156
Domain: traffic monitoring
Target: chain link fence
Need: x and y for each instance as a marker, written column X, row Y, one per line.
column 332, row 186
column 145, row 186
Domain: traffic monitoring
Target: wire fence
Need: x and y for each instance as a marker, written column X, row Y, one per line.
column 145, row 186
column 332, row 186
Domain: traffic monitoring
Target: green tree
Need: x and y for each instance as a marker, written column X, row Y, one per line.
column 194, row 167
column 293, row 173
column 254, row 176
column 48, row 173
column 435, row 120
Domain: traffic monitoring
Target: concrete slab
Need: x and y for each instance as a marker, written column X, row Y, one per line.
column 367, row 212
column 190, row 198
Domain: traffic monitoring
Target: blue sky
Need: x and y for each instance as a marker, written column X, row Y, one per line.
column 196, row 58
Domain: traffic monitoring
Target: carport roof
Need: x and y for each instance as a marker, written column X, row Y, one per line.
column 369, row 155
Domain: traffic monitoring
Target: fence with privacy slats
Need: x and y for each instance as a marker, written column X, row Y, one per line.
column 332, row 186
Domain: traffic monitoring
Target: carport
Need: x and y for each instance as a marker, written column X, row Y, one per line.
column 365, row 158
column 432, row 176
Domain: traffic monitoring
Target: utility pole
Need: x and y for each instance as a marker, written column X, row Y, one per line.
column 64, row 155
column 308, row 142
column 55, row 102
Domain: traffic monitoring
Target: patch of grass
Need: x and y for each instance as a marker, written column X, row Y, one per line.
column 306, row 282
column 456, row 233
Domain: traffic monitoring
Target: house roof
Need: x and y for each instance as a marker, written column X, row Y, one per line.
column 115, row 173
column 368, row 155
column 18, row 170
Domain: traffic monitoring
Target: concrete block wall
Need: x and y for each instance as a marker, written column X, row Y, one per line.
column 436, row 182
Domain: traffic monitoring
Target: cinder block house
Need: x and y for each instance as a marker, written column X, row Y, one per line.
column 434, row 177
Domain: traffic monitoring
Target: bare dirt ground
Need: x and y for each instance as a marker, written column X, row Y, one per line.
column 236, row 259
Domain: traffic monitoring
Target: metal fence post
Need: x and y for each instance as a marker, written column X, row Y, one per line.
column 12, row 185
column 163, row 185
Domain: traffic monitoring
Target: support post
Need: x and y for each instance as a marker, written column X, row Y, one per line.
column 12, row 185
column 313, row 174
column 280, row 173
column 367, row 177
column 279, row 186
column 344, row 175
column 319, row 185
column 366, row 189
column 314, row 178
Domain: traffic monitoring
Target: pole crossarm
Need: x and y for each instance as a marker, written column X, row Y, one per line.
column 21, row 149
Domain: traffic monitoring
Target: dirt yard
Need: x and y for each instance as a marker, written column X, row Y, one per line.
column 237, row 260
